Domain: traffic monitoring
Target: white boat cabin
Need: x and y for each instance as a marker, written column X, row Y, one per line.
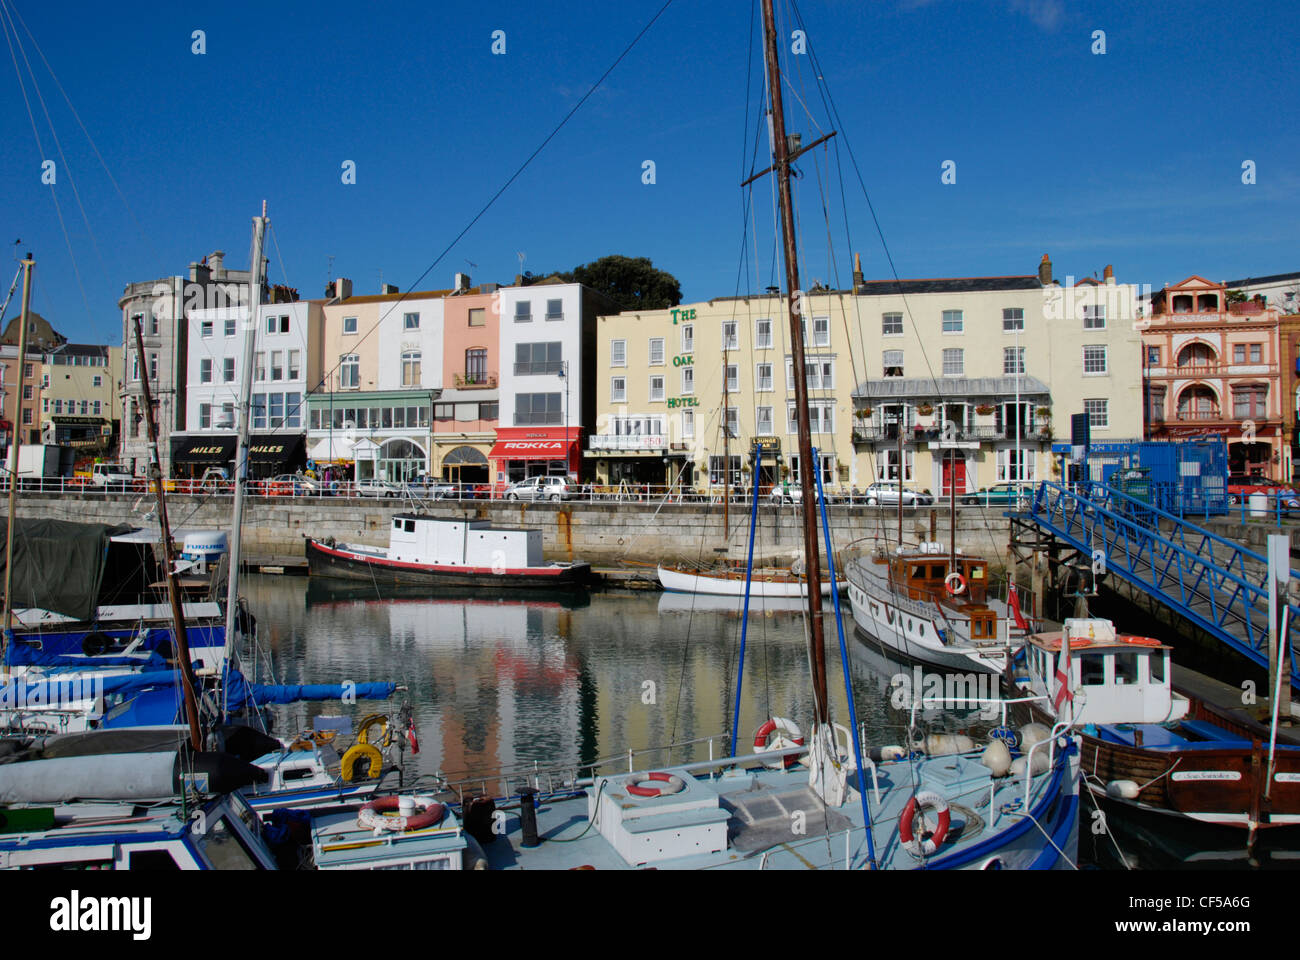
column 1114, row 678
column 450, row 542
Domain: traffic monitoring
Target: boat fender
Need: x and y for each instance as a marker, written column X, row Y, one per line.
column 478, row 815
column 955, row 584
column 474, row 857
column 1032, row 733
column 783, row 735
column 797, row 568
column 1140, row 641
column 887, row 754
column 1040, row 764
column 926, row 846
column 946, row 744
column 1122, row 790
column 997, row 757
column 356, row 753
column 675, row 784
column 95, row 643
column 375, row 814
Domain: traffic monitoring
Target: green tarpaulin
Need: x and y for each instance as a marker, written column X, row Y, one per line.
column 58, row 565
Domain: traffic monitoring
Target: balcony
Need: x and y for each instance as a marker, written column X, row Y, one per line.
column 475, row 380
column 1200, row 371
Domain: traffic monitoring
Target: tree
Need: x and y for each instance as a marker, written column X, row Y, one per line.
column 631, row 282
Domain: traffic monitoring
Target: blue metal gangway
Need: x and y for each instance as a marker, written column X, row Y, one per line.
column 1216, row 584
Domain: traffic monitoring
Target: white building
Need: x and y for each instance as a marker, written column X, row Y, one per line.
column 214, row 373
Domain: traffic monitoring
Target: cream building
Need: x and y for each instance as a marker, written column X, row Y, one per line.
column 79, row 399
column 1004, row 360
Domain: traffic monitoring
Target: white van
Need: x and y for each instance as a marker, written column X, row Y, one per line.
column 111, row 475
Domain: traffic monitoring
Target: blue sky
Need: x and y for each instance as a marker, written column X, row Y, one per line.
column 1133, row 157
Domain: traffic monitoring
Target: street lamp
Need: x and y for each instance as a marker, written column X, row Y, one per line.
column 564, row 375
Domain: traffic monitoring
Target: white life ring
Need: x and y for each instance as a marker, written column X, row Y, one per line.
column 782, row 734
column 374, row 816
column 926, row 798
column 955, row 589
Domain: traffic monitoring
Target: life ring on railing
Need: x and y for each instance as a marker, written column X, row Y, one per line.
column 368, row 721
column 675, row 784
column 361, row 751
column 798, row 567
column 375, row 816
column 783, row 734
column 954, row 589
column 926, row 798
column 313, row 738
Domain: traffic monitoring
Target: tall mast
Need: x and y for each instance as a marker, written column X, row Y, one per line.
column 28, row 263
column 812, row 561
column 256, row 282
column 169, row 553
column 726, row 449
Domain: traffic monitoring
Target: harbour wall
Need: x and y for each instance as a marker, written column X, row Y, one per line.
column 599, row 533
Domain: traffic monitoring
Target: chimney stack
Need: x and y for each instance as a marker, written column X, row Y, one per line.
column 342, row 288
column 1045, row 271
column 216, row 262
column 386, row 289
column 1108, row 274
column 461, row 282
column 858, row 281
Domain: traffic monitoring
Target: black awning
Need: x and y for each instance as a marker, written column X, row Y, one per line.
column 280, row 449
column 213, row 450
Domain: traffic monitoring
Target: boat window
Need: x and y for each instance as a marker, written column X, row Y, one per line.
column 936, row 571
column 1157, row 666
column 224, row 848
column 152, row 860
column 918, row 571
column 977, row 572
column 982, row 626
column 244, row 810
column 397, row 524
column 1126, row 667
column 1092, row 669
column 410, row 526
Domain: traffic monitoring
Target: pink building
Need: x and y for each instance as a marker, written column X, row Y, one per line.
column 1214, row 368
column 466, row 413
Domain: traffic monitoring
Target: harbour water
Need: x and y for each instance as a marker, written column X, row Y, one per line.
column 500, row 683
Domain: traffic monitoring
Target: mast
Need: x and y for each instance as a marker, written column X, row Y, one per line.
column 169, row 553
column 726, row 450
column 28, row 264
column 256, row 282
column 806, row 479
column 902, row 423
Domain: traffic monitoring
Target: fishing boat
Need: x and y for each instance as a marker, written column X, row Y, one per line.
column 1150, row 751
column 731, row 580
column 936, row 606
column 447, row 551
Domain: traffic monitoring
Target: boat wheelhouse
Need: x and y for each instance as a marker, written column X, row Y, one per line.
column 447, row 551
column 934, row 605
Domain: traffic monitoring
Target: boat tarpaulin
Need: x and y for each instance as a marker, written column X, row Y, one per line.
column 58, row 565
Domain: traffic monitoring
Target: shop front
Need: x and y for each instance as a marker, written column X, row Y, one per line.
column 191, row 455
column 465, row 464
column 523, row 452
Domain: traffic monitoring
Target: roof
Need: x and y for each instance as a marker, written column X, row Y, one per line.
column 389, row 297
column 1254, row 281
column 903, row 388
column 884, row 288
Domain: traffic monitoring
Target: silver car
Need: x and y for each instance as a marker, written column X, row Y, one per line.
column 541, row 488
column 376, row 488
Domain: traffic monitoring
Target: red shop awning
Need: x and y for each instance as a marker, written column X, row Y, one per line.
column 559, row 449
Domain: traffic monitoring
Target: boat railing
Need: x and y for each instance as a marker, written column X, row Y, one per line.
column 1002, row 702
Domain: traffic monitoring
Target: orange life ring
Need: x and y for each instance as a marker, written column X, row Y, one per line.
column 926, row 798
column 373, row 815
column 960, row 586
column 1141, row 641
column 1077, row 643
column 786, row 730
column 675, row 784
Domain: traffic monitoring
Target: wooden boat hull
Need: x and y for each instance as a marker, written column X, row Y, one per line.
column 731, row 584
column 1223, row 786
column 342, row 563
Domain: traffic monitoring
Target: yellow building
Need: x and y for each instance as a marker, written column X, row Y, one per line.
column 988, row 367
column 79, row 399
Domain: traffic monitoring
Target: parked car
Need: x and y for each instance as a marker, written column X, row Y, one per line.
column 111, row 476
column 793, row 493
column 375, row 487
column 1242, row 486
column 999, row 495
column 429, row 488
column 542, row 488
column 887, row 492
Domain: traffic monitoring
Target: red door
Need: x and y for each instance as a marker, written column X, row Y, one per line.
column 954, row 464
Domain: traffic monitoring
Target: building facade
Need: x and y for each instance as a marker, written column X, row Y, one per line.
column 79, row 400
column 1214, row 369
column 548, row 359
